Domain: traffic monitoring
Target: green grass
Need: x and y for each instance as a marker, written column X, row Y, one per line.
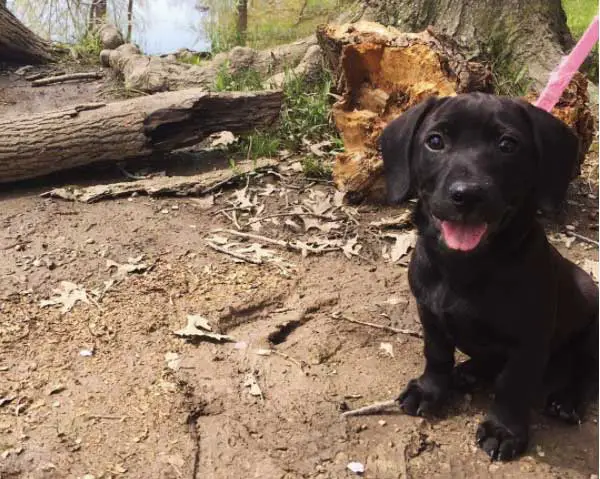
column 305, row 117
column 88, row 48
column 579, row 15
column 315, row 167
column 246, row 80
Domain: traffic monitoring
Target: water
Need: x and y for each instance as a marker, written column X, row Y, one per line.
column 159, row 26
column 168, row 25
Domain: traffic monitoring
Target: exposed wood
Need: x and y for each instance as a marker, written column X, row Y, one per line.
column 67, row 77
column 192, row 185
column 381, row 72
column 35, row 145
column 19, row 44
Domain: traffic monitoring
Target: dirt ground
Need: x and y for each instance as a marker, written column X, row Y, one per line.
column 106, row 389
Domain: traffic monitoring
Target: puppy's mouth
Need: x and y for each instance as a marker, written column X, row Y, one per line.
column 462, row 236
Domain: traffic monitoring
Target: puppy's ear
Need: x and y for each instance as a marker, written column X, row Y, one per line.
column 558, row 154
column 396, row 144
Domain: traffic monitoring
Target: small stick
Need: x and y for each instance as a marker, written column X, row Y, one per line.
column 374, row 408
column 582, row 238
column 379, row 326
column 67, row 77
column 290, row 359
column 105, row 416
column 231, row 253
column 283, row 244
column 279, row 215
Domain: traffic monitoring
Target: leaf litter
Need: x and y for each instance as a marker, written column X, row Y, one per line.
column 67, row 296
column 195, row 329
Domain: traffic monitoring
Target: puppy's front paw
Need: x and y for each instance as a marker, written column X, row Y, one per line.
column 423, row 396
column 499, row 442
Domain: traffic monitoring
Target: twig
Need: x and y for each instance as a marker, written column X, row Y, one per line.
column 279, row 215
column 582, row 238
column 232, row 253
column 106, row 416
column 283, row 244
column 408, row 332
column 374, row 408
column 67, row 77
column 290, row 359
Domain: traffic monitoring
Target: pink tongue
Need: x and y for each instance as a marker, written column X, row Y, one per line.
column 462, row 237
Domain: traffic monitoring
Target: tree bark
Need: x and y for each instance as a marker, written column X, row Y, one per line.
column 18, row 43
column 151, row 74
column 242, row 21
column 129, row 20
column 33, row 146
column 533, row 33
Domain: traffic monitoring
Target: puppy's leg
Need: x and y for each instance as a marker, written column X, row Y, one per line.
column 505, row 432
column 426, row 394
column 473, row 373
column 571, row 378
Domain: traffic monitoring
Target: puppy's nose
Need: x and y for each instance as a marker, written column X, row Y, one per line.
column 465, row 194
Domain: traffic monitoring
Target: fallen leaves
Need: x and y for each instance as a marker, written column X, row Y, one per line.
column 591, row 268
column 251, row 383
column 195, row 329
column 403, row 243
column 67, row 296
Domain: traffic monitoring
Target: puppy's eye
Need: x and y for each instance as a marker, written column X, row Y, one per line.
column 507, row 144
column 435, row 142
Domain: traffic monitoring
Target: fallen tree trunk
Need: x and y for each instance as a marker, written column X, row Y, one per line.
column 151, row 74
column 19, row 44
column 34, row 146
column 382, row 72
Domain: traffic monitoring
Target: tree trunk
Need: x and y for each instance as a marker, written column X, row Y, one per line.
column 242, row 21
column 18, row 43
column 129, row 20
column 382, row 72
column 529, row 32
column 33, row 146
column 152, row 74
column 97, row 14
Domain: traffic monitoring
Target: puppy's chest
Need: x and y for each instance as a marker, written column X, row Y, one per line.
column 469, row 319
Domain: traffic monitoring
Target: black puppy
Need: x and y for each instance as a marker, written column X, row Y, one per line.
column 484, row 275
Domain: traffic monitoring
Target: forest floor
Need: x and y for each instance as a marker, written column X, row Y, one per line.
column 94, row 382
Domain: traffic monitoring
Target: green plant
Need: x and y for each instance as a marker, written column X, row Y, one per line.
column 315, row 167
column 510, row 77
column 579, row 15
column 259, row 145
column 245, row 80
column 88, row 48
column 306, row 109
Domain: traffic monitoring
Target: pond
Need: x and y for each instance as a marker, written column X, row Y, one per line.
column 165, row 26
column 159, row 26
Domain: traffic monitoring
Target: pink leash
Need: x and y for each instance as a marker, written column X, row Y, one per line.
column 561, row 76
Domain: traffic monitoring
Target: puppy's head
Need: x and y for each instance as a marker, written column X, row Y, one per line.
column 474, row 160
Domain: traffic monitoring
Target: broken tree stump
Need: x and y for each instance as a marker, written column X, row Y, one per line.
column 35, row 145
column 381, row 72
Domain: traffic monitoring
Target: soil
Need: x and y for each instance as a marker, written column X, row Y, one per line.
column 107, row 389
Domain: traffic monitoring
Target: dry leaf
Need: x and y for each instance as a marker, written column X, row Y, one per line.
column 241, row 199
column 318, row 202
column 313, row 223
column 263, row 352
column 251, row 382
column 223, row 138
column 173, row 361
column 67, row 295
column 338, row 198
column 400, row 221
column 124, row 269
column 199, row 321
column 192, row 330
column 402, row 245
column 268, row 190
column 387, row 349
column 351, row 248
